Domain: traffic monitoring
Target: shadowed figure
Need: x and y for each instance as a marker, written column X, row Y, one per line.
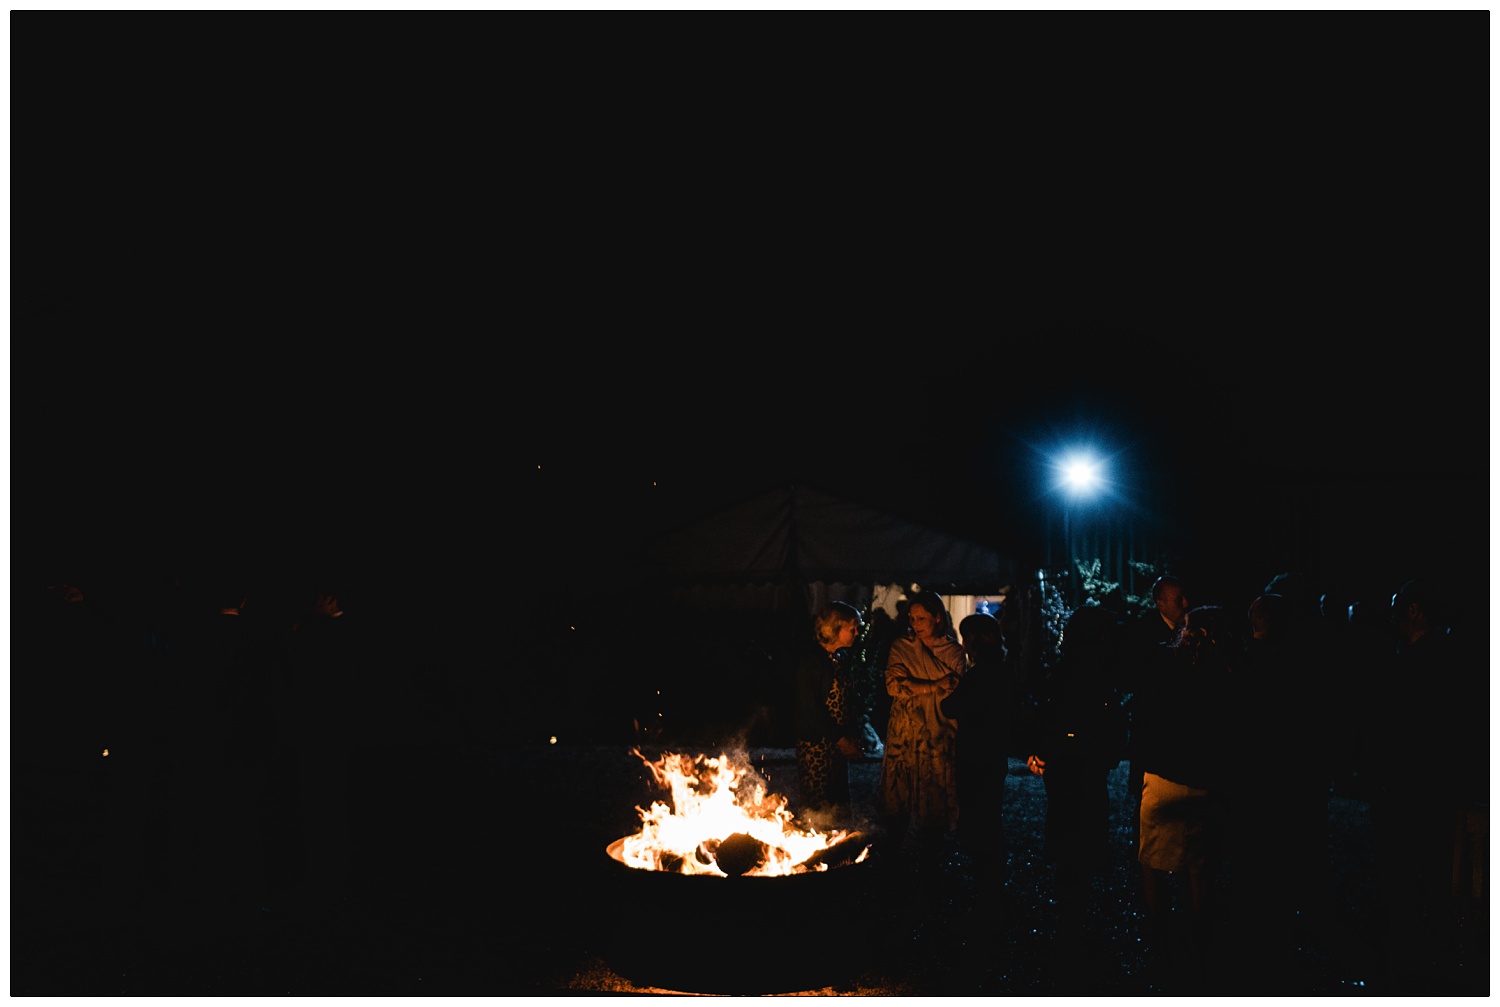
column 1185, row 734
column 986, row 706
column 1078, row 735
column 1154, row 632
column 1280, row 867
column 1429, row 771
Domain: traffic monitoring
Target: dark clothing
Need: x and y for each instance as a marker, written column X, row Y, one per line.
column 1431, row 755
column 986, row 704
column 1078, row 729
column 1146, row 650
column 1145, row 646
column 1433, row 719
column 1297, row 722
column 825, row 711
column 1145, row 657
column 1184, row 723
column 823, row 708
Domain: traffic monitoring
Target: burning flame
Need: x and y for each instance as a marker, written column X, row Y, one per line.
column 721, row 820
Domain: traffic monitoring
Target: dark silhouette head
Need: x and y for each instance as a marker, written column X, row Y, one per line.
column 1091, row 634
column 1266, row 615
column 1415, row 611
column 982, row 639
column 1301, row 599
column 1211, row 638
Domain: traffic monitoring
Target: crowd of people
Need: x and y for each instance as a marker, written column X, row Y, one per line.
column 229, row 746
column 1237, row 722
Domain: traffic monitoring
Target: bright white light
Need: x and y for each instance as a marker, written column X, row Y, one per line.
column 1082, row 474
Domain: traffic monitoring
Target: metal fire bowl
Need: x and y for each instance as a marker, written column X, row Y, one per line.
column 701, row 933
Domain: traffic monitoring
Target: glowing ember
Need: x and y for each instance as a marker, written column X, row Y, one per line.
column 720, row 820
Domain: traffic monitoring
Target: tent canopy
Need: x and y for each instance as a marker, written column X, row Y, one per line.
column 799, row 534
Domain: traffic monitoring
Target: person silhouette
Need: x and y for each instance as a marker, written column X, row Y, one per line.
column 1078, row 736
column 1431, row 766
column 985, row 706
column 1155, row 632
column 1185, row 734
column 1280, row 886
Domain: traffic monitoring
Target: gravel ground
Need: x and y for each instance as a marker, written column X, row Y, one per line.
column 481, row 871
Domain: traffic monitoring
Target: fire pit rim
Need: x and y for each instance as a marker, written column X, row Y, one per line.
column 615, row 851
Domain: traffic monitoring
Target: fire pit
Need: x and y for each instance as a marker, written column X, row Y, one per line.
column 727, row 894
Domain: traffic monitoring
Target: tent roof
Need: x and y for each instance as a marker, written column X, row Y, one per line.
column 801, row 533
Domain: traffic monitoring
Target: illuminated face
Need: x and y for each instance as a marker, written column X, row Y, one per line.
column 847, row 636
column 923, row 622
column 1172, row 604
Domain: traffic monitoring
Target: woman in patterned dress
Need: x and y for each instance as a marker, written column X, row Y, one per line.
column 918, row 779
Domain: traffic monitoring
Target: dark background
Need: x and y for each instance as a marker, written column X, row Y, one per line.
column 465, row 359
column 289, row 324
column 458, row 337
column 462, row 359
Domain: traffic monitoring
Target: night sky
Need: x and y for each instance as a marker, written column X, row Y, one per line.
column 492, row 464
column 534, row 483
column 1253, row 269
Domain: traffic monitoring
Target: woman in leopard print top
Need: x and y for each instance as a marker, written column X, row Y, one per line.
column 827, row 725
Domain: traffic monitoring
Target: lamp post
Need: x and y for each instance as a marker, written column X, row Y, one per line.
column 1068, row 549
column 1080, row 476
